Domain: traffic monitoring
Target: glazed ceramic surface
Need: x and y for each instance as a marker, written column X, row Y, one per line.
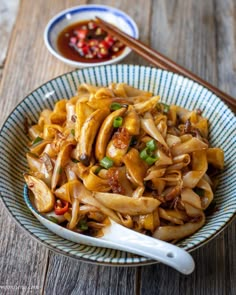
column 173, row 89
column 87, row 12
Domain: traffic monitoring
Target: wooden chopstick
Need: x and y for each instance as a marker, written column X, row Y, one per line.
column 159, row 60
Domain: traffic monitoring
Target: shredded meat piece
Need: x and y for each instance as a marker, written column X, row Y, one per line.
column 199, row 112
column 195, row 219
column 73, row 118
column 173, row 193
column 175, row 203
column 188, row 127
column 122, row 138
column 113, row 181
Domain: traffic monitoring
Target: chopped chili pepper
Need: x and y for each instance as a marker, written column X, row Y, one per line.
column 61, row 207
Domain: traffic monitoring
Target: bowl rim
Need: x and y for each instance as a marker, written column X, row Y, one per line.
column 87, row 260
column 75, row 9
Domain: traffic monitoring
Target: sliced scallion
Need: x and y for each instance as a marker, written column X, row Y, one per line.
column 83, row 224
column 151, row 160
column 166, row 108
column 37, row 140
column 53, row 219
column 72, row 132
column 115, row 106
column 117, row 122
column 199, row 191
column 144, row 154
column 97, row 170
column 106, row 162
column 151, row 145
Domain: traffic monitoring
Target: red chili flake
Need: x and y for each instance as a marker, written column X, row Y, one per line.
column 103, row 52
column 92, row 25
column 103, row 44
column 114, row 182
column 109, row 40
column 81, row 44
column 73, row 40
column 81, row 33
column 84, row 50
column 93, row 43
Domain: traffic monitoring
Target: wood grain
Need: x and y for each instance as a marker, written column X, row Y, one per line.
column 8, row 13
column 193, row 41
column 201, row 36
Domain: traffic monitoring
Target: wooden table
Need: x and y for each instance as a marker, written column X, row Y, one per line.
column 199, row 35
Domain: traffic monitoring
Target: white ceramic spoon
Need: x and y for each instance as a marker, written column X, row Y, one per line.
column 121, row 238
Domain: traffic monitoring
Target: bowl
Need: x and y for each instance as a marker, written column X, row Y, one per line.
column 172, row 88
column 82, row 13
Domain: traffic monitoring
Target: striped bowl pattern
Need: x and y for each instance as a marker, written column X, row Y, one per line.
column 172, row 88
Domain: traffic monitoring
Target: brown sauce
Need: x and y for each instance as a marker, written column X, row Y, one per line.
column 86, row 42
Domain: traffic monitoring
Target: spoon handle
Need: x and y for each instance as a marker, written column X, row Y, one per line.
column 131, row 241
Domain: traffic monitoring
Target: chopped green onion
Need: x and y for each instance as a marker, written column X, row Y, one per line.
column 199, row 191
column 144, row 154
column 72, row 132
column 151, row 160
column 98, row 169
column 83, row 224
column 37, row 140
column 74, row 160
column 106, row 162
column 52, row 219
column 151, row 145
column 166, row 107
column 115, row 106
column 163, row 107
column 117, row 122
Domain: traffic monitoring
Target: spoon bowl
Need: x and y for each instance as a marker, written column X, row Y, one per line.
column 119, row 237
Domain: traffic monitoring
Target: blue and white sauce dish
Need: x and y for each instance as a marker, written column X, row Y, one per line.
column 173, row 89
column 85, row 13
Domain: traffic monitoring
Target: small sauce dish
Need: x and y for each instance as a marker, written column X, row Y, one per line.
column 64, row 28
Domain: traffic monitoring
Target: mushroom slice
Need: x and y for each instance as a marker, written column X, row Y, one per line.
column 176, row 232
column 88, row 133
column 37, row 148
column 43, row 197
column 79, row 191
column 145, row 106
column 127, row 205
column 63, row 192
column 148, row 125
column 132, row 121
column 135, row 166
column 83, row 111
column 100, row 103
column 105, row 132
column 95, row 183
column 62, row 159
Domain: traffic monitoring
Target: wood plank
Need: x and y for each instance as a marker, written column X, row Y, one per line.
column 193, row 40
column 8, row 13
column 225, row 21
column 23, row 261
column 68, row 276
column 101, row 280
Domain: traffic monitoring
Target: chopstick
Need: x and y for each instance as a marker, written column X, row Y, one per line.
column 159, row 60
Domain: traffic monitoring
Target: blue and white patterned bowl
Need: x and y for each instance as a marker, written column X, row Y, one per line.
column 172, row 88
column 87, row 12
